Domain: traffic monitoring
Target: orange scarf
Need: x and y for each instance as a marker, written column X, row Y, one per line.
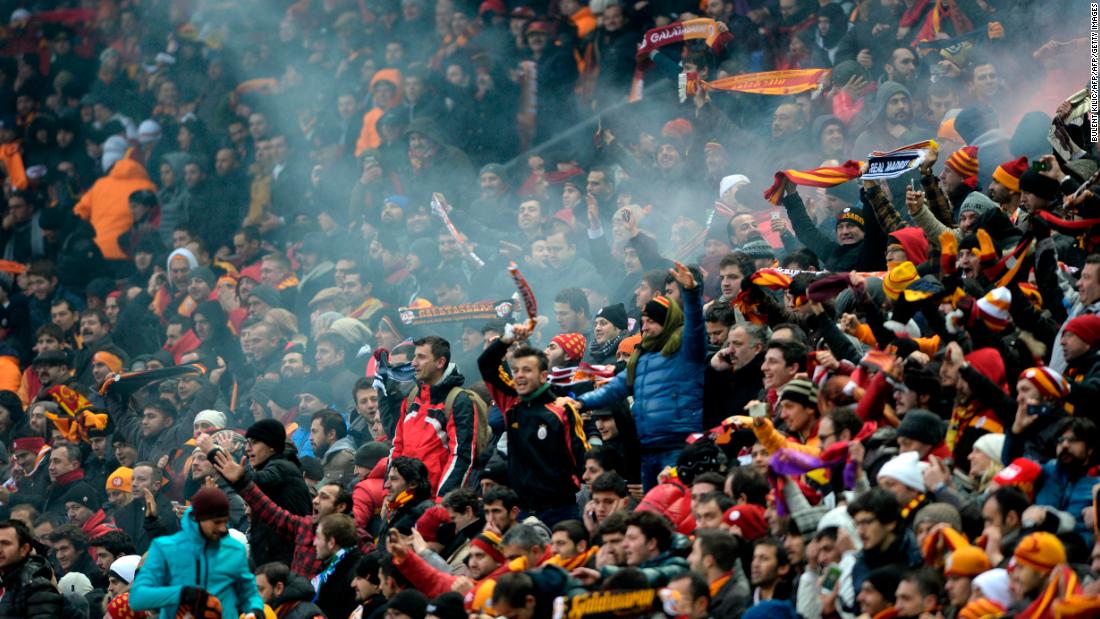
column 1062, row 584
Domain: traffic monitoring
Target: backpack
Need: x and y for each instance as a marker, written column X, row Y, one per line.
column 481, row 416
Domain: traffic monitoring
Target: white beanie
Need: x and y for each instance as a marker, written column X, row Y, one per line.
column 994, row 585
column 907, row 469
column 840, row 518
column 74, row 582
column 991, row 445
column 125, row 567
column 114, row 149
column 148, row 132
column 214, row 418
column 731, row 181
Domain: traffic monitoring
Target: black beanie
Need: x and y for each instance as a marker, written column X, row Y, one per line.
column 270, row 433
column 921, row 425
column 615, row 314
column 410, row 602
column 1043, row 186
column 447, row 606
column 657, row 309
column 369, row 454
column 84, row 494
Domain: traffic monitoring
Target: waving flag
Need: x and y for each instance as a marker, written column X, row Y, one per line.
column 790, row 82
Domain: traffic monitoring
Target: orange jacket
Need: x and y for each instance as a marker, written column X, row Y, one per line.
column 107, row 205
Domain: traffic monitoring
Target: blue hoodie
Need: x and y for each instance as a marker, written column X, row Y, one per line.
column 186, row 558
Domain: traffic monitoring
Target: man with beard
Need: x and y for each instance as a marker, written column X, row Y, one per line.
column 769, row 574
column 902, row 67
column 892, row 123
column 170, row 578
column 1005, row 187
column 1064, row 487
column 1038, row 558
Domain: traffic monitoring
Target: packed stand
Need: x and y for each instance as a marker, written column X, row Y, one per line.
column 392, row 309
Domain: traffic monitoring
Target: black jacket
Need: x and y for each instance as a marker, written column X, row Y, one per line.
column 334, row 596
column 132, row 521
column 29, row 592
column 296, row 602
column 282, row 481
column 546, row 443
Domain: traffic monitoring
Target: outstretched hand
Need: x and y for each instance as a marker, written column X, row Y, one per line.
column 683, row 276
column 229, row 469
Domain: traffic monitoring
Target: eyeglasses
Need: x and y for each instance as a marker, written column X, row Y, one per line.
column 1066, row 439
column 865, row 522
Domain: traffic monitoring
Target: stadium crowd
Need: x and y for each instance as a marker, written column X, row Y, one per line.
column 399, row 309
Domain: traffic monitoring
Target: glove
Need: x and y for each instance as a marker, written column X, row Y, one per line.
column 949, row 253
column 199, row 604
column 988, row 256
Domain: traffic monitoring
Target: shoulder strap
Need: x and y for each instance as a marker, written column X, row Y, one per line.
column 452, row 395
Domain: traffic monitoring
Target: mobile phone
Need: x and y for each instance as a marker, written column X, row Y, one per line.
column 1040, row 166
column 776, row 217
column 175, row 505
column 1038, row 410
column 832, row 575
column 758, row 410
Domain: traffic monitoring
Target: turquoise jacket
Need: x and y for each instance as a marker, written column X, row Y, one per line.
column 185, row 559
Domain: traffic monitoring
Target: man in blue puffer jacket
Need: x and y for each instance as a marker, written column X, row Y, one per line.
column 199, row 566
column 665, row 376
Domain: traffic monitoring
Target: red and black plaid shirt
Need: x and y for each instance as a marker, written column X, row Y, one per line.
column 298, row 529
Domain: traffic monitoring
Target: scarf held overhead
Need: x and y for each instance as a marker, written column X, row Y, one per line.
column 656, row 38
column 827, row 176
column 892, row 164
column 789, row 82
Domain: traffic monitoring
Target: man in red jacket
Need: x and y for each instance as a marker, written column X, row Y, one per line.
column 445, row 443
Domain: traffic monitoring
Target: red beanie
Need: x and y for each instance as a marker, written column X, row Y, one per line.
column 32, row 444
column 428, row 524
column 1009, row 173
column 964, row 161
column 988, row 361
column 1086, row 327
column 209, row 503
column 750, row 519
column 573, row 344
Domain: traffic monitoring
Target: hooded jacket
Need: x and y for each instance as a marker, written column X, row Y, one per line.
column 446, row 445
column 29, row 592
column 912, row 240
column 667, row 389
column 188, row 559
column 107, row 205
column 296, row 602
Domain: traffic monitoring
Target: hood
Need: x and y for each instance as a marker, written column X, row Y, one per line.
column 128, row 169
column 177, row 161
column 913, row 241
column 297, row 589
column 344, row 444
column 823, row 121
column 426, row 127
column 379, row 470
column 989, row 363
column 392, row 76
column 885, row 91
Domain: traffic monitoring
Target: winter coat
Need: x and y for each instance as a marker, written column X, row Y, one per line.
column 368, row 496
column 282, row 482
column 546, row 442
column 29, row 592
column 332, row 595
column 1057, row 490
column 668, row 391
column 132, row 521
column 54, row 502
column 904, row 553
column 423, row 428
column 188, row 559
column 338, row 460
column 657, row 571
column 296, row 602
column 107, row 205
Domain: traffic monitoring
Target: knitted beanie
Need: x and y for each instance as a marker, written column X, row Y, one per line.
column 269, row 432
column 1009, row 173
column 1040, row 550
column 964, row 161
column 657, row 309
column 967, row 561
column 800, row 391
column 209, row 503
column 1086, row 327
column 898, row 279
column 574, row 345
column 1050, row 383
column 852, row 215
column 922, row 425
column 993, row 308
